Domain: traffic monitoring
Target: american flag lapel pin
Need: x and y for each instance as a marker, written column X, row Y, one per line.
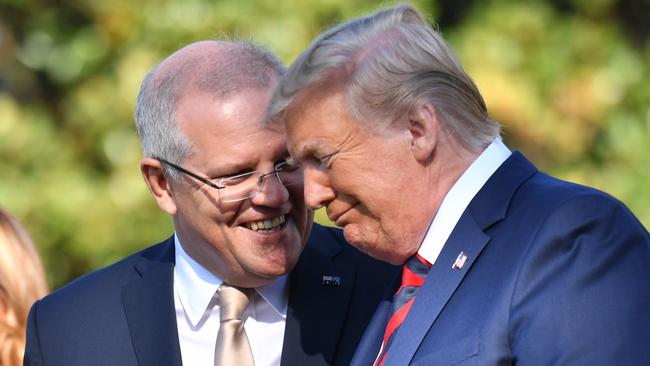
column 460, row 261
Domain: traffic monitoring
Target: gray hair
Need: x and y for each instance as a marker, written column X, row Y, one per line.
column 221, row 68
column 391, row 60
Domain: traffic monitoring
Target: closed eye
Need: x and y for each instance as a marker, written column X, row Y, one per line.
column 326, row 161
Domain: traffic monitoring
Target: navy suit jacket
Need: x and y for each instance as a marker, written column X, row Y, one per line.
column 124, row 314
column 556, row 274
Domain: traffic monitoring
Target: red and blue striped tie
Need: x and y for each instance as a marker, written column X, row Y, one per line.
column 413, row 275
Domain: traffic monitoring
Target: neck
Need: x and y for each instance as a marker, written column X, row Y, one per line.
column 448, row 163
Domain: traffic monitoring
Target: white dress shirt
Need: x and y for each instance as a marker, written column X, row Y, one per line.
column 197, row 314
column 459, row 197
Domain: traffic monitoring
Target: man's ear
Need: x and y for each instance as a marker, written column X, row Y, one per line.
column 158, row 184
column 423, row 126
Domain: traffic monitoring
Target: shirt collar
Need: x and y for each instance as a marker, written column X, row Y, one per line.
column 196, row 287
column 276, row 294
column 459, row 197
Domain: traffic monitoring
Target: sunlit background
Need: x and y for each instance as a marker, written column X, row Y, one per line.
column 569, row 80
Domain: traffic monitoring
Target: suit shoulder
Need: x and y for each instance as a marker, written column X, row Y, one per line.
column 552, row 206
column 552, row 193
column 97, row 286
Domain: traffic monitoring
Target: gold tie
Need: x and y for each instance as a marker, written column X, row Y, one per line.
column 232, row 347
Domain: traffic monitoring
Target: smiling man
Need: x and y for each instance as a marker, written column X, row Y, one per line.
column 242, row 282
column 503, row 264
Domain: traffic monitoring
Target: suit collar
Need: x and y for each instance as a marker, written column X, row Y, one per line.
column 149, row 307
column 488, row 207
column 491, row 203
column 320, row 289
column 438, row 288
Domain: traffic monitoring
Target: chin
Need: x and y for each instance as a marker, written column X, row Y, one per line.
column 273, row 265
column 271, row 274
column 354, row 238
column 376, row 249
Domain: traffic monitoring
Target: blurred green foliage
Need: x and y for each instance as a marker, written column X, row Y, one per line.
column 568, row 80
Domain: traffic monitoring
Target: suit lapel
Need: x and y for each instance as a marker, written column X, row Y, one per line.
column 439, row 286
column 488, row 207
column 149, row 307
column 317, row 305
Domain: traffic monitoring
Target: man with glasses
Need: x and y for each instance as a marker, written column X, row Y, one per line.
column 236, row 284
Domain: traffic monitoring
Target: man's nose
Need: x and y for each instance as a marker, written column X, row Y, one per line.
column 318, row 191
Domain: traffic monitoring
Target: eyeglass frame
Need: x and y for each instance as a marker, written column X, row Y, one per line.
column 211, row 184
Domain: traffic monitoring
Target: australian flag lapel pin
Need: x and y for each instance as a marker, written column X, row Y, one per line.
column 331, row 281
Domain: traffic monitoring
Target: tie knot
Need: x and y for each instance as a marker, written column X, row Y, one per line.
column 232, row 301
column 415, row 271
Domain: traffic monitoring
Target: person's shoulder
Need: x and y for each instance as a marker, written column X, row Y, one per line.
column 564, row 208
column 541, row 189
column 555, row 193
column 106, row 283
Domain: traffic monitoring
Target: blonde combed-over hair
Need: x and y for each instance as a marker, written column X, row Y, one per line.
column 391, row 61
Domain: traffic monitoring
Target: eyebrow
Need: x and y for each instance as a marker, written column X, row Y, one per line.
column 229, row 168
column 310, row 147
column 226, row 168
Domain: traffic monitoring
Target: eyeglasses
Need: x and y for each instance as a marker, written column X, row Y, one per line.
column 247, row 185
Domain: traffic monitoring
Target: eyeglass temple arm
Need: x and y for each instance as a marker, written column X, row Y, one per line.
column 193, row 175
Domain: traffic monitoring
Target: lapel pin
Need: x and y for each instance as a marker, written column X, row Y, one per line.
column 460, row 261
column 331, row 281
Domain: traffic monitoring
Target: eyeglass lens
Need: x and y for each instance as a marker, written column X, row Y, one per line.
column 249, row 185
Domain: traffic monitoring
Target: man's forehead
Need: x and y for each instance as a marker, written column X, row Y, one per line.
column 304, row 145
column 243, row 151
column 234, row 122
column 311, row 117
column 318, row 93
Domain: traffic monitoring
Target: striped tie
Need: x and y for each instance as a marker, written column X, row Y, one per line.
column 413, row 275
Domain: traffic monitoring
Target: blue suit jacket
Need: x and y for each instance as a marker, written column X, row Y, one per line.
column 556, row 274
column 124, row 314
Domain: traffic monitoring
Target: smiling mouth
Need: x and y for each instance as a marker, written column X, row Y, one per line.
column 268, row 225
column 337, row 217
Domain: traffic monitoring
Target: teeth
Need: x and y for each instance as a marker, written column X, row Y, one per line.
column 267, row 224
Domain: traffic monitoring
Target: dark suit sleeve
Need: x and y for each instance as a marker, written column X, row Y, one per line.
column 33, row 355
column 582, row 295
